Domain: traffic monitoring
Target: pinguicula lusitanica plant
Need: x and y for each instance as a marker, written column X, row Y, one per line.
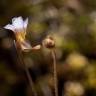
column 49, row 43
column 19, row 27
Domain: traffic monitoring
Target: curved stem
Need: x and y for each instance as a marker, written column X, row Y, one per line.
column 55, row 72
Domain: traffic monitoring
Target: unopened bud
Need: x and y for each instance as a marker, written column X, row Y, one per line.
column 49, row 42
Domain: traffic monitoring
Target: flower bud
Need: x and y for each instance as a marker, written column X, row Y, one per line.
column 49, row 42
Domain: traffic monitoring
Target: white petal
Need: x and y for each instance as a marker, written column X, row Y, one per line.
column 10, row 27
column 18, row 23
column 25, row 23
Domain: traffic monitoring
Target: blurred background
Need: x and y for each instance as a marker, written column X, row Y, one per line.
column 72, row 24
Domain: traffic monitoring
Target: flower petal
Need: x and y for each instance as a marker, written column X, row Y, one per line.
column 18, row 23
column 25, row 23
column 10, row 27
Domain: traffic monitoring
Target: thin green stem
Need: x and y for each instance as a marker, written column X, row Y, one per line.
column 55, row 72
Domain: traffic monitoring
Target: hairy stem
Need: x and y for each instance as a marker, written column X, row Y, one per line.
column 55, row 72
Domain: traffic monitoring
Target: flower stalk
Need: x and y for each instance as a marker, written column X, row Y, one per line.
column 50, row 44
column 55, row 72
column 21, row 61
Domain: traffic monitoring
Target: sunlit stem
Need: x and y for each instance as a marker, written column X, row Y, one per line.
column 55, row 72
column 21, row 61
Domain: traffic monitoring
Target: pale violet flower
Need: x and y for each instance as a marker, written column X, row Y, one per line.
column 19, row 27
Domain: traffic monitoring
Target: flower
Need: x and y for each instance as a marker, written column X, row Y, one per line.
column 19, row 27
column 49, row 42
